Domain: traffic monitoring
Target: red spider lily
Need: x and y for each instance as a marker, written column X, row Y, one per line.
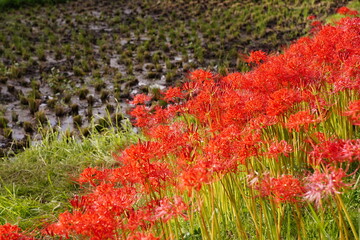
column 347, row 11
column 172, row 94
column 262, row 121
column 321, row 185
column 237, row 80
column 141, row 113
column 139, row 166
column 147, row 117
column 336, row 151
column 12, row 232
column 232, row 147
column 300, row 120
column 353, row 112
column 316, row 25
column 154, row 211
column 194, row 177
column 92, row 176
column 201, row 76
column 140, row 99
column 282, row 100
column 311, row 17
column 279, row 147
column 285, row 188
column 168, row 209
column 79, row 202
column 317, row 104
column 256, row 57
column 99, row 215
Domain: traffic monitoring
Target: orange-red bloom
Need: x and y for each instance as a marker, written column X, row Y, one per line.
column 347, row 11
column 12, row 232
column 257, row 57
column 285, row 188
column 353, row 112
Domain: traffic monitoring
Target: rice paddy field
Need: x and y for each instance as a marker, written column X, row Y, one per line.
column 179, row 119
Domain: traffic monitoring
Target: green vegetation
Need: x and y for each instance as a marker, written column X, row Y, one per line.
column 37, row 183
column 6, row 4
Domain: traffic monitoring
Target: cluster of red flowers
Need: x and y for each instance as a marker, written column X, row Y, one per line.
column 322, row 184
column 212, row 125
column 285, row 188
column 256, row 57
column 347, row 11
column 335, row 151
column 12, row 232
column 354, row 112
column 314, row 187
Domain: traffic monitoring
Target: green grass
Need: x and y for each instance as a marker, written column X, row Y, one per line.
column 6, row 4
column 36, row 184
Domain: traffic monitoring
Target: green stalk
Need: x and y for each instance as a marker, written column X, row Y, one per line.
column 300, row 223
column 319, row 222
column 268, row 218
column 353, row 229
column 239, row 226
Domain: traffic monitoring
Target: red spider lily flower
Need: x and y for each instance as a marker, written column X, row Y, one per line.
column 237, row 80
column 201, row 76
column 140, row 99
column 141, row 113
column 12, row 232
column 353, row 112
column 140, row 164
column 256, row 57
column 317, row 104
column 316, row 23
column 316, row 26
column 336, row 151
column 301, row 119
column 321, row 185
column 194, row 177
column 285, row 188
column 262, row 121
column 100, row 215
column 79, row 202
column 311, row 17
column 168, row 209
column 253, row 179
column 92, row 176
column 173, row 93
column 97, row 226
column 347, row 11
column 276, row 148
column 282, row 100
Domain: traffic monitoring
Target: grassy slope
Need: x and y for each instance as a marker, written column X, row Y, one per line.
column 5, row 4
column 36, row 184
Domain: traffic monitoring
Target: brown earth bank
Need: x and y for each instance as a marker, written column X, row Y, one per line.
column 68, row 66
